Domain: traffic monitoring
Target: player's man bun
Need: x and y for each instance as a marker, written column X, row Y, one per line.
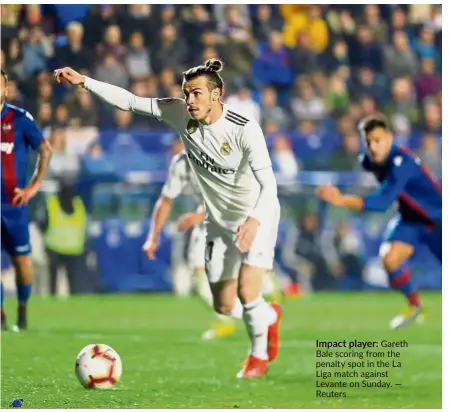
column 216, row 65
column 210, row 69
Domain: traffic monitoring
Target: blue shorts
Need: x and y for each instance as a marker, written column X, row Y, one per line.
column 415, row 234
column 15, row 232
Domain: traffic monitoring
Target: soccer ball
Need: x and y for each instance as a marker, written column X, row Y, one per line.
column 98, row 366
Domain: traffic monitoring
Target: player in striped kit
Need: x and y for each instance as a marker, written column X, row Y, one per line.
column 229, row 157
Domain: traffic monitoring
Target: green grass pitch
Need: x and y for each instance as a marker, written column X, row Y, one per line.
column 166, row 365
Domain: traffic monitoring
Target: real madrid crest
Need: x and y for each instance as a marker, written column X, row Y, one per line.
column 225, row 149
column 192, row 126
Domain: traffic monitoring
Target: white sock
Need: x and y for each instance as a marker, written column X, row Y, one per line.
column 236, row 312
column 256, row 316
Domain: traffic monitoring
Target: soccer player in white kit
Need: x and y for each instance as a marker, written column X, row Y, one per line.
column 229, row 156
column 181, row 180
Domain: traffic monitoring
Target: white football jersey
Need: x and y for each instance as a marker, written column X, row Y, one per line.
column 223, row 156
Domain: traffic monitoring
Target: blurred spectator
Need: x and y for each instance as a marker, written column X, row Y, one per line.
column 171, row 52
column 244, row 104
column 63, row 164
column 14, row 64
column 364, row 84
column 234, row 25
column 33, row 18
column 435, row 20
column 122, row 120
column 110, row 71
column 265, row 23
column 271, row 66
column 270, row 110
column 399, row 22
column 368, row 106
column 341, row 23
column 345, row 157
column 15, row 96
column 271, row 127
column 303, row 252
column 61, row 119
column 433, row 119
column 424, row 46
column 36, row 49
column 82, row 110
column 346, row 125
column 220, row 13
column 402, row 102
column 74, row 54
column 9, row 24
column 196, row 23
column 427, row 83
column 363, row 51
column 302, row 59
column 320, row 82
column 112, row 45
column 138, row 58
column 310, row 22
column 96, row 23
column 336, row 57
column 167, row 81
column 44, row 117
column 344, row 254
column 45, row 93
column 283, row 158
column 430, row 153
column 372, row 19
column 306, row 104
column 399, row 57
column 337, row 97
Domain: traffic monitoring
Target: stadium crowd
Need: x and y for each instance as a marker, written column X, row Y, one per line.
column 308, row 73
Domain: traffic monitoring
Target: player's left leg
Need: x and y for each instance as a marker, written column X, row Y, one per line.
column 401, row 241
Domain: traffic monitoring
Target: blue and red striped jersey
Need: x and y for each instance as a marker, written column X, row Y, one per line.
column 405, row 179
column 19, row 134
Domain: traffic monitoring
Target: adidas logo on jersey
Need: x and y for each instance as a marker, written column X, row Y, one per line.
column 7, row 147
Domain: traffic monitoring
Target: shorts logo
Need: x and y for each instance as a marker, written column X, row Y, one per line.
column 7, row 127
column 225, row 149
column 22, row 249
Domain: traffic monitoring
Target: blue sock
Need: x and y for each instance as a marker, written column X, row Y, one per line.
column 400, row 279
column 2, row 293
column 23, row 293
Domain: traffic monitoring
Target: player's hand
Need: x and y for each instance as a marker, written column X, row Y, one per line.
column 150, row 247
column 246, row 234
column 330, row 194
column 70, row 75
column 188, row 220
column 23, row 196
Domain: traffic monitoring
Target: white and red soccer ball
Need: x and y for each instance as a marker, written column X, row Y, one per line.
column 98, row 366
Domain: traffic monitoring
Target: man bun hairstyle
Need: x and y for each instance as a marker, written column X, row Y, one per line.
column 370, row 123
column 210, row 69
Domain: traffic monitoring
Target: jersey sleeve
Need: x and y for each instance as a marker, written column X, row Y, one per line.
column 177, row 179
column 363, row 159
column 401, row 169
column 255, row 147
column 33, row 135
column 171, row 110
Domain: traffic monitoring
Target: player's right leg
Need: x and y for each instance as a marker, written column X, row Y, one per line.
column 400, row 244
column 16, row 242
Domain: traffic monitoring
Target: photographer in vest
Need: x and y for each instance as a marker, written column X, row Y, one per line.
column 65, row 235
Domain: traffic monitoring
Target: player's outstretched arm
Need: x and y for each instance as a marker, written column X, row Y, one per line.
column 113, row 95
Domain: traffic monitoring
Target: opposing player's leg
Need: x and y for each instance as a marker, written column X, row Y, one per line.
column 401, row 241
column 16, row 242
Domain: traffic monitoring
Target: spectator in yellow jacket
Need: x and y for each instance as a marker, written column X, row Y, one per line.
column 310, row 22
